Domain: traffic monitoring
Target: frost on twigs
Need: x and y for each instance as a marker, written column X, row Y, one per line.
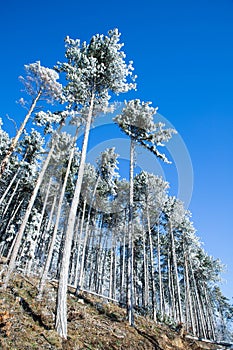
column 42, row 80
column 49, row 119
column 96, row 68
column 22, row 102
column 137, row 121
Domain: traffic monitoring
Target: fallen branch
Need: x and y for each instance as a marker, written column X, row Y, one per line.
column 88, row 291
column 209, row 341
column 99, row 295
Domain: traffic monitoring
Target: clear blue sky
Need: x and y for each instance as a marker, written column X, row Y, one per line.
column 183, row 56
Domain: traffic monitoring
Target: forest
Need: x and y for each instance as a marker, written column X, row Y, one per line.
column 65, row 220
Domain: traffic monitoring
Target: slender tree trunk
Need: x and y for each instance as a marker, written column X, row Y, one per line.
column 209, row 308
column 151, row 264
column 161, row 296
column 86, row 237
column 58, row 215
column 79, row 244
column 45, row 237
column 34, row 241
column 7, row 246
column 89, row 260
column 114, row 272
column 206, row 313
column 170, row 287
column 45, row 202
column 9, row 186
column 174, row 260
column 145, row 274
column 103, row 267
column 81, row 275
column 189, row 310
column 50, row 252
column 99, row 264
column 111, row 279
column 98, row 256
column 74, row 251
column 199, row 311
column 11, row 219
column 19, row 133
column 11, row 198
column 61, row 307
column 130, row 301
column 122, row 265
column 26, row 217
column 123, row 271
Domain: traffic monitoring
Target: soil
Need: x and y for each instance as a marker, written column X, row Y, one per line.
column 27, row 323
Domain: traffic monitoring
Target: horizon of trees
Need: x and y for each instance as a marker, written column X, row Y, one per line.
column 64, row 219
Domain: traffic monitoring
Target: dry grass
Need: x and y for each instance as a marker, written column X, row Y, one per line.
column 26, row 323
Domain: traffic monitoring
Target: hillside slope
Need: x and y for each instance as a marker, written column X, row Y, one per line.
column 27, row 323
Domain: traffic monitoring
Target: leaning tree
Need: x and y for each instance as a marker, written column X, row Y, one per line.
column 40, row 83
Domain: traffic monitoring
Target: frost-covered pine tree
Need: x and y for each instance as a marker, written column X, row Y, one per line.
column 92, row 71
column 107, row 166
column 4, row 145
column 150, row 193
column 103, row 186
column 137, row 121
column 175, row 213
column 40, row 82
column 20, row 179
column 4, row 141
column 30, row 204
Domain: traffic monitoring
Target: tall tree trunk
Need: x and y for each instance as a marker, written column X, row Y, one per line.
column 122, row 272
column 9, row 186
column 103, row 266
column 130, row 300
column 145, row 296
column 210, row 308
column 34, row 241
column 61, row 306
column 98, row 256
column 112, row 270
column 19, row 133
column 189, row 310
column 198, row 309
column 153, row 299
column 74, row 249
column 86, row 237
column 58, row 215
column 8, row 225
column 170, row 287
column 11, row 198
column 89, row 261
column 161, row 294
column 122, row 266
column 50, row 252
column 174, row 260
column 81, row 274
column 26, row 216
column 79, row 244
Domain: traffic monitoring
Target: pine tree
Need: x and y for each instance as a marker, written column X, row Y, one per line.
column 27, row 213
column 40, row 82
column 92, row 71
column 136, row 120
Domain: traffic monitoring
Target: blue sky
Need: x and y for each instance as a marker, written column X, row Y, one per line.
column 183, row 56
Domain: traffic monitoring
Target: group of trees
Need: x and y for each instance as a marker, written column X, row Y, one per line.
column 63, row 218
